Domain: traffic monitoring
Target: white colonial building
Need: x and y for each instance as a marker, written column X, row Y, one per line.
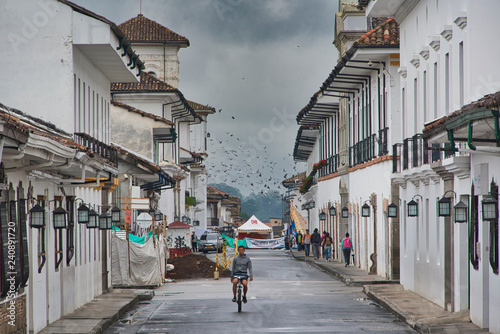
column 56, row 152
column 447, row 152
column 182, row 149
column 347, row 129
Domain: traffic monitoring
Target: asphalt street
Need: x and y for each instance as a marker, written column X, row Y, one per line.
column 286, row 296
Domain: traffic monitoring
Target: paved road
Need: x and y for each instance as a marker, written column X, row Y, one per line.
column 287, row 296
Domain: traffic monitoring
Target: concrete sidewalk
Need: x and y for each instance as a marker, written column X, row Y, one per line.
column 100, row 313
column 419, row 313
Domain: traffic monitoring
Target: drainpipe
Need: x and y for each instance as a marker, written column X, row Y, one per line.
column 33, row 167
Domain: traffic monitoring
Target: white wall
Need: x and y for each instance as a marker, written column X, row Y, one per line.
column 481, row 74
column 38, row 58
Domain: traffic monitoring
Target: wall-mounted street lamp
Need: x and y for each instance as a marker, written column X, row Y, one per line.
column 461, row 212
column 444, row 205
column 83, row 214
column 93, row 220
column 176, row 218
column 116, row 214
column 196, row 222
column 345, row 212
column 184, row 219
column 412, row 206
column 322, row 216
column 105, row 221
column 365, row 209
column 37, row 216
column 60, row 218
column 332, row 211
column 392, row 210
column 158, row 216
column 489, row 204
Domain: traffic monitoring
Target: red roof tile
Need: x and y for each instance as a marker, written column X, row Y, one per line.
column 386, row 34
column 200, row 107
column 214, row 192
column 178, row 224
column 490, row 101
column 148, row 84
column 140, row 29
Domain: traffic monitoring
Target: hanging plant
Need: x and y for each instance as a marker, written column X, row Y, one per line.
column 306, row 184
column 320, row 164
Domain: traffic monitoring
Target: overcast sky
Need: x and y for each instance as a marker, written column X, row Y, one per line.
column 260, row 61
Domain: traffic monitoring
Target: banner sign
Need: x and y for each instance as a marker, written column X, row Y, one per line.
column 266, row 243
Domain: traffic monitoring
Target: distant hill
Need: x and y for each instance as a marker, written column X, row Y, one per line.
column 263, row 206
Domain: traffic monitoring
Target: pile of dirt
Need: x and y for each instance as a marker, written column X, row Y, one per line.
column 194, row 266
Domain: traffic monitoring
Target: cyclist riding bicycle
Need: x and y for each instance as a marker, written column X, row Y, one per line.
column 241, row 264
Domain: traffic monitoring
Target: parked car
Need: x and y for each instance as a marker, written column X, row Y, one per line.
column 208, row 242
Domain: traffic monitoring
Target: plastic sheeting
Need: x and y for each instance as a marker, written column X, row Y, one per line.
column 147, row 262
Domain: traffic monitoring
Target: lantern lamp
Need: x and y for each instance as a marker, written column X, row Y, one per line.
column 83, row 214
column 116, row 214
column 444, row 207
column 489, row 205
column 412, row 208
column 461, row 212
column 158, row 215
column 60, row 218
column 332, row 211
column 365, row 210
column 392, row 210
column 184, row 219
column 37, row 216
column 322, row 216
column 345, row 212
column 93, row 223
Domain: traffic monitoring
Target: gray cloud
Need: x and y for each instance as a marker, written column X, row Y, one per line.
column 248, row 58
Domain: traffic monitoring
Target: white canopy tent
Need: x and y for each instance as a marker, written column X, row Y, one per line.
column 254, row 225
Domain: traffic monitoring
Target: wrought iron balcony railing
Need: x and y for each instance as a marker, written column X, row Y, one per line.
column 97, row 147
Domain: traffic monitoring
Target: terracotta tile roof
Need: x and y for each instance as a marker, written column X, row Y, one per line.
column 386, row 34
column 216, row 193
column 490, row 101
column 148, row 84
column 200, row 107
column 26, row 124
column 232, row 201
column 178, row 224
column 140, row 29
column 140, row 112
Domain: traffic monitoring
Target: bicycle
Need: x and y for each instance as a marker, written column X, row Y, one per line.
column 239, row 287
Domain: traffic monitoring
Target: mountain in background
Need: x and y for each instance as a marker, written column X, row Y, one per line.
column 263, row 206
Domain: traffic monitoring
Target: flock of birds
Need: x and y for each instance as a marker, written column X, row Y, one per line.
column 228, row 163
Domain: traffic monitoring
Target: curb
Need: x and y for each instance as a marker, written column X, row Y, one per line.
column 347, row 280
column 106, row 323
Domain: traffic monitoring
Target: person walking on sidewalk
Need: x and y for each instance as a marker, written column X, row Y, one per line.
column 315, row 241
column 327, row 246
column 346, row 248
column 299, row 241
column 307, row 243
column 323, row 247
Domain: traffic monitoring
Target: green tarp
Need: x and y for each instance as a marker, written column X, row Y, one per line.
column 134, row 238
column 230, row 241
